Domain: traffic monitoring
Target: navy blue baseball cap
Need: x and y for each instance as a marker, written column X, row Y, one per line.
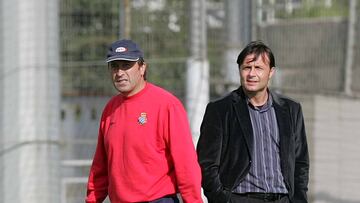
column 124, row 49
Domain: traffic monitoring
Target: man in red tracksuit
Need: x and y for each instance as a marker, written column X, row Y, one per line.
column 145, row 151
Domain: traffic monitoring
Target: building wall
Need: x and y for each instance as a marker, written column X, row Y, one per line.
column 336, row 154
column 332, row 125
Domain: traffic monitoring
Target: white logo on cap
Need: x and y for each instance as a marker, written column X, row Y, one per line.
column 121, row 49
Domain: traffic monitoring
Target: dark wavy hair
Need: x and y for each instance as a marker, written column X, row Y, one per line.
column 259, row 49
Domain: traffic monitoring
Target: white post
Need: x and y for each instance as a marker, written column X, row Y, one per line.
column 350, row 48
column 30, row 90
column 197, row 93
column 197, row 78
column 237, row 34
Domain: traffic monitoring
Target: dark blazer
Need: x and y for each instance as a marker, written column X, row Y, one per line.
column 226, row 141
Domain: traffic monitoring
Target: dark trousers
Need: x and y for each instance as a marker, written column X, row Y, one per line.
column 168, row 199
column 245, row 199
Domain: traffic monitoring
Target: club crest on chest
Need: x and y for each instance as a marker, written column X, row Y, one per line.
column 142, row 118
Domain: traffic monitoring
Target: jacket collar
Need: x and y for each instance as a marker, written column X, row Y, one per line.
column 283, row 116
column 243, row 117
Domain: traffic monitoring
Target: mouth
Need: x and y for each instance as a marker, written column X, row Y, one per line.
column 250, row 82
column 120, row 81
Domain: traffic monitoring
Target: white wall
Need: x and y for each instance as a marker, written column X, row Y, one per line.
column 333, row 128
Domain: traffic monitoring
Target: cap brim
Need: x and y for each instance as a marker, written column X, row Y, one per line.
column 121, row 58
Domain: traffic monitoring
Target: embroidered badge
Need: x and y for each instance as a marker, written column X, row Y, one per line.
column 142, row 119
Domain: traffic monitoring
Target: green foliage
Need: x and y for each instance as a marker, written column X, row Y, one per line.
column 161, row 32
column 313, row 9
column 163, row 35
column 88, row 27
column 160, row 27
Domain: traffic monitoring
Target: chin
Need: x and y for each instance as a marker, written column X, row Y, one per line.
column 251, row 88
column 122, row 90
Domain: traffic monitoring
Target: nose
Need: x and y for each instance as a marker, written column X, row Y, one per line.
column 118, row 71
column 252, row 71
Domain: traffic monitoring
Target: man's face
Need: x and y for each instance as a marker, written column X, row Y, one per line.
column 255, row 74
column 127, row 76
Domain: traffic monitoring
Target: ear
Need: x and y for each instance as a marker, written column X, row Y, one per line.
column 143, row 69
column 272, row 71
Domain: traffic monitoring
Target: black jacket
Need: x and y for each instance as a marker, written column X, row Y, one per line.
column 226, row 140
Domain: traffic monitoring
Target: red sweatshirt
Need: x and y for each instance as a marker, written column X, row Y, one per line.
column 144, row 150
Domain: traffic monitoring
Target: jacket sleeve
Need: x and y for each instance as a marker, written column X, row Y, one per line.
column 182, row 149
column 97, row 187
column 301, row 176
column 209, row 152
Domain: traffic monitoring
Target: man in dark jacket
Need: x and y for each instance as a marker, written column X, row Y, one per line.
column 252, row 146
